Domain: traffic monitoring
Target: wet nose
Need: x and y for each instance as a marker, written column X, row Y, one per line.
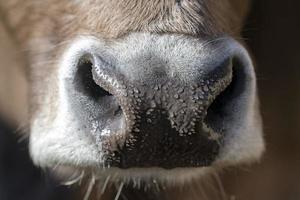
column 163, row 111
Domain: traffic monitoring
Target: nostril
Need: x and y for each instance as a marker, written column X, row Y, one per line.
column 100, row 106
column 84, row 81
column 220, row 114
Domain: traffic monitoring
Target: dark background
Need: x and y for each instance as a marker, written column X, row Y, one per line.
column 19, row 179
column 272, row 33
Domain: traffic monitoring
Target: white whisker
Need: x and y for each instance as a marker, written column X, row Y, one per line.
column 90, row 188
column 220, row 185
column 75, row 180
column 105, row 184
column 119, row 191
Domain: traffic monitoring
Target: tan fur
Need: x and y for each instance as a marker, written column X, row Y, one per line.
column 113, row 18
column 13, row 81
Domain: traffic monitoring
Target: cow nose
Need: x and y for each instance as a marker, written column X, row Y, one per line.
column 159, row 112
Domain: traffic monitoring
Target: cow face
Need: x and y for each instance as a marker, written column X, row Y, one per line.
column 141, row 88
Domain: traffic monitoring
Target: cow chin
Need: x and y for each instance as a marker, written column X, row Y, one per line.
column 198, row 129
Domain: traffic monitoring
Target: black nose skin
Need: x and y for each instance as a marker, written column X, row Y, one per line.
column 164, row 119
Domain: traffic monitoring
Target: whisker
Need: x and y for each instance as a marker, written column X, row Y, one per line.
column 57, row 165
column 105, row 185
column 119, row 191
column 90, row 188
column 23, row 127
column 75, row 180
column 220, row 185
column 203, row 192
column 22, row 138
column 157, row 186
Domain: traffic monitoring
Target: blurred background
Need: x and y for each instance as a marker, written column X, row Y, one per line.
column 272, row 33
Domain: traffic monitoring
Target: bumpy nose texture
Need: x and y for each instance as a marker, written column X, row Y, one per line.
column 164, row 120
column 156, row 100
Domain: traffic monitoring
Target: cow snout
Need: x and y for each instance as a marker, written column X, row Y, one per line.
column 161, row 101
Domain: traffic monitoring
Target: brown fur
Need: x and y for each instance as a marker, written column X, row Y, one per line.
column 44, row 27
column 113, row 18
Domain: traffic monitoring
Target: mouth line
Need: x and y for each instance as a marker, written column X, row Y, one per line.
column 153, row 175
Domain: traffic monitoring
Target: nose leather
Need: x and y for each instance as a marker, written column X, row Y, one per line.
column 164, row 121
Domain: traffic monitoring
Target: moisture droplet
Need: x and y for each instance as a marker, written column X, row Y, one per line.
column 152, row 104
column 171, row 115
column 180, row 90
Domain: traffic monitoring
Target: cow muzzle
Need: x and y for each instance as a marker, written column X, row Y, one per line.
column 161, row 101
